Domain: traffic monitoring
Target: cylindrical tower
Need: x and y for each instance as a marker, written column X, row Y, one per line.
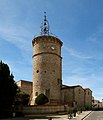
column 47, row 66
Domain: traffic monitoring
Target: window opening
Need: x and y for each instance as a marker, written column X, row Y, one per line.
column 37, row 71
column 36, row 94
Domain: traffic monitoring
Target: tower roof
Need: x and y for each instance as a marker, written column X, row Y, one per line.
column 45, row 26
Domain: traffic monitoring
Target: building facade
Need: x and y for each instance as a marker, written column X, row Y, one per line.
column 97, row 104
column 87, row 98
column 25, row 86
column 73, row 96
column 67, row 95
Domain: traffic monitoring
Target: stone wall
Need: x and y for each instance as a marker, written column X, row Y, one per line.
column 79, row 97
column 67, row 96
column 25, row 86
column 73, row 96
column 88, row 98
column 43, row 109
column 47, row 68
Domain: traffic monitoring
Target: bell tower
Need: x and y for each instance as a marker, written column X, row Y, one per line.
column 47, row 65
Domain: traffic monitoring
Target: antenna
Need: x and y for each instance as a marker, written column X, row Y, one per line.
column 45, row 26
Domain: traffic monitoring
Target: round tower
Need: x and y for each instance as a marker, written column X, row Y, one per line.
column 47, row 65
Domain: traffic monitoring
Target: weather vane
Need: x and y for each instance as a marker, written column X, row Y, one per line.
column 45, row 26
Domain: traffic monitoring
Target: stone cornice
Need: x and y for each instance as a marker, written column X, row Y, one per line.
column 46, row 39
column 46, row 53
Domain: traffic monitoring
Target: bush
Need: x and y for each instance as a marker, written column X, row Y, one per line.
column 22, row 98
column 41, row 99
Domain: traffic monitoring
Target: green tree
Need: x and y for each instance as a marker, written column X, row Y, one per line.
column 41, row 99
column 8, row 89
column 22, row 98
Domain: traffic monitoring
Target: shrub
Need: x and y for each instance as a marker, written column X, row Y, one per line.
column 41, row 99
column 22, row 98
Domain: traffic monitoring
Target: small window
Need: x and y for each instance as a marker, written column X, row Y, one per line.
column 36, row 94
column 37, row 71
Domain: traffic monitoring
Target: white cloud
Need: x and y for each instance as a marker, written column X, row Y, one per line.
column 76, row 54
column 98, row 93
column 92, row 39
column 96, row 36
column 92, row 81
column 19, row 36
column 76, row 80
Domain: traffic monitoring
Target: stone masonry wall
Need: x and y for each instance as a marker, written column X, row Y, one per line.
column 47, row 68
column 79, row 97
column 43, row 109
column 67, row 96
column 88, row 98
column 25, row 86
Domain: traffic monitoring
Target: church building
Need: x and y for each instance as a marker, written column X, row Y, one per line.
column 47, row 74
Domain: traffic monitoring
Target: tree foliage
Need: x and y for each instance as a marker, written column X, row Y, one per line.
column 8, row 87
column 41, row 99
column 22, row 98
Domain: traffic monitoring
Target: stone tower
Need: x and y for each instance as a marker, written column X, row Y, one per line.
column 47, row 65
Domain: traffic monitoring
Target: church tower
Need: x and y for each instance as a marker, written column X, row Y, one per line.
column 47, row 65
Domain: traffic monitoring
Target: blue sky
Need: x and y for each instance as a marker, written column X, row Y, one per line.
column 78, row 23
